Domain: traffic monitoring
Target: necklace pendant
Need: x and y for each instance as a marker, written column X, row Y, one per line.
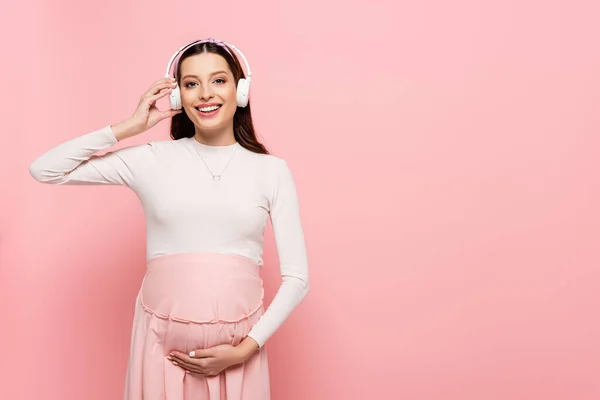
column 216, row 177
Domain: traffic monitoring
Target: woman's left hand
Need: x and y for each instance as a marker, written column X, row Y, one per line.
column 209, row 362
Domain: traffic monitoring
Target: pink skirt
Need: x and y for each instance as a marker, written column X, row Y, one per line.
column 195, row 301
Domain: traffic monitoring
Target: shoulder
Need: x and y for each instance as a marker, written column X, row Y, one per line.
column 167, row 144
column 149, row 156
column 157, row 148
column 265, row 160
column 270, row 166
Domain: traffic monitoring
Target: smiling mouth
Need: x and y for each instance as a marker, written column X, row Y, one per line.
column 208, row 110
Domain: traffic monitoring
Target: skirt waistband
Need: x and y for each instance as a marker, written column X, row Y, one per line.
column 200, row 257
column 202, row 288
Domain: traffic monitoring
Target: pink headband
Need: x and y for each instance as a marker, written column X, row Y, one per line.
column 217, row 42
column 182, row 49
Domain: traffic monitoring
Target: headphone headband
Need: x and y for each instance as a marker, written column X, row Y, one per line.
column 210, row 40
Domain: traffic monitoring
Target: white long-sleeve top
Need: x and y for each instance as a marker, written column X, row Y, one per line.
column 187, row 211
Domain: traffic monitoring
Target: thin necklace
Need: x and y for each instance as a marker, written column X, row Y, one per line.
column 216, row 177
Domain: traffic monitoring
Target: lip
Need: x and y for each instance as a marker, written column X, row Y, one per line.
column 210, row 114
column 207, row 105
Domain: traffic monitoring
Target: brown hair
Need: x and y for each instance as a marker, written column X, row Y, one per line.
column 243, row 128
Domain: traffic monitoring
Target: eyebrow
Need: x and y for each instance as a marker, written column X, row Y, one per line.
column 196, row 76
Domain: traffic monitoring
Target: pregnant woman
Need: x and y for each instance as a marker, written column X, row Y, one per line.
column 200, row 325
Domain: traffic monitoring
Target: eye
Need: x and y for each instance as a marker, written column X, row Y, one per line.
column 221, row 81
column 187, row 85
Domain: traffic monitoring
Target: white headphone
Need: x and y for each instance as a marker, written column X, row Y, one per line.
column 243, row 86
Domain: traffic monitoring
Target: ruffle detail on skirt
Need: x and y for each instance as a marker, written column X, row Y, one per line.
column 202, row 288
column 211, row 321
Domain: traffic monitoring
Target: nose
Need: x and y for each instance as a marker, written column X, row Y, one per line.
column 206, row 92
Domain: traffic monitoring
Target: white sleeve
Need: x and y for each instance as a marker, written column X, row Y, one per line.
column 291, row 249
column 74, row 162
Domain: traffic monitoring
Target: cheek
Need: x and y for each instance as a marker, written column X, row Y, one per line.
column 232, row 94
column 187, row 96
column 229, row 96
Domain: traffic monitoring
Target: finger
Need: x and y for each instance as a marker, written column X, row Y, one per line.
column 188, row 366
column 183, row 358
column 163, row 81
column 160, row 85
column 162, row 93
column 200, row 353
column 159, row 89
column 149, row 100
column 182, row 363
column 169, row 114
column 200, row 365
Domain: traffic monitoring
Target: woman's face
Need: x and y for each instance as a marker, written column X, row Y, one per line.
column 208, row 91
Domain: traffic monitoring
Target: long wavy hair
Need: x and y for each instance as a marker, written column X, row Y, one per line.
column 243, row 128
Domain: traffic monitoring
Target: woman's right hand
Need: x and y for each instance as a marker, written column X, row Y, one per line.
column 147, row 114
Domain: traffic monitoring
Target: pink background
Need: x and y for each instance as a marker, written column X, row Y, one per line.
column 446, row 157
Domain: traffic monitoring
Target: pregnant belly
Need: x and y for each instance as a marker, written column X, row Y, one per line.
column 199, row 300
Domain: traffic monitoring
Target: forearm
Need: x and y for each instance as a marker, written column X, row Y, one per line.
column 125, row 129
column 289, row 295
column 246, row 349
column 77, row 162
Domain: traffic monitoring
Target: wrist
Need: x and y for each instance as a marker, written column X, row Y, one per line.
column 246, row 348
column 124, row 129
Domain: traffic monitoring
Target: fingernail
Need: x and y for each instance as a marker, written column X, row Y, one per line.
column 192, row 353
column 175, row 363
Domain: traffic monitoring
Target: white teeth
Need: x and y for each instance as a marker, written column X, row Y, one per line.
column 209, row 109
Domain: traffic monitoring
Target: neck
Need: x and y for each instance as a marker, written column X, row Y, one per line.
column 223, row 137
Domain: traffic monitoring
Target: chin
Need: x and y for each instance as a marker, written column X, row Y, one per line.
column 215, row 126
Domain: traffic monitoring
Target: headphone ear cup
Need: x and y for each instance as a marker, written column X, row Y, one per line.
column 175, row 99
column 243, row 90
